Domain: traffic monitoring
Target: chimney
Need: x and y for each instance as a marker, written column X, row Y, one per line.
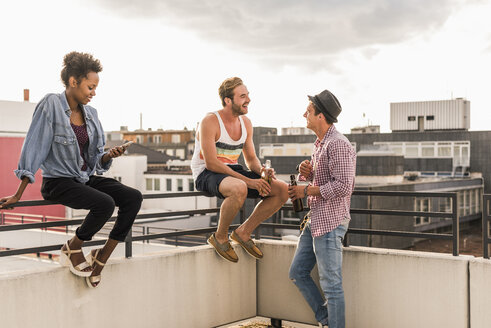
column 26, row 94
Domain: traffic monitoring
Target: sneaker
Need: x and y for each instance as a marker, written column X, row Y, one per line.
column 225, row 250
column 249, row 246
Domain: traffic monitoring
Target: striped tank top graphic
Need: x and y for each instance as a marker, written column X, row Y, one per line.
column 228, row 150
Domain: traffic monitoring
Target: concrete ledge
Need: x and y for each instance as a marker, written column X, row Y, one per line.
column 277, row 296
column 383, row 288
column 480, row 292
column 193, row 287
column 392, row 288
column 190, row 287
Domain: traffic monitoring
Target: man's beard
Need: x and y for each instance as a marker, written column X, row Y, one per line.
column 237, row 110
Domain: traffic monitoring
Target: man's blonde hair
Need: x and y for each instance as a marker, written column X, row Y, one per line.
column 226, row 89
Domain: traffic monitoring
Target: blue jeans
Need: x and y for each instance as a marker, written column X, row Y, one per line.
column 327, row 252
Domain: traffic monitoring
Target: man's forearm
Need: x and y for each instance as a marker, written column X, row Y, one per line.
column 255, row 166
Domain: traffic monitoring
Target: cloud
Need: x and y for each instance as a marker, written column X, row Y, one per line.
column 292, row 30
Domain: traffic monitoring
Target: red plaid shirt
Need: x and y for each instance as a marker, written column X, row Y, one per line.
column 334, row 166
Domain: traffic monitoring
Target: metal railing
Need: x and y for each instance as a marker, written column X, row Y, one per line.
column 454, row 215
column 7, row 218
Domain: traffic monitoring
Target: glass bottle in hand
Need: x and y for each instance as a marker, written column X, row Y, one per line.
column 297, row 203
column 265, row 174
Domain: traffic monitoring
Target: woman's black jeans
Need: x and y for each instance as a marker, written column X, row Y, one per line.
column 99, row 195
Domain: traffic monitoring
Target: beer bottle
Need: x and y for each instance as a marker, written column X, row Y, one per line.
column 297, row 203
column 265, row 174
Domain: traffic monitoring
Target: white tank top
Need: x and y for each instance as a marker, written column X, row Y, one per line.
column 228, row 150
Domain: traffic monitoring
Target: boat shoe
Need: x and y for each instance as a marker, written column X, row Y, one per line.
column 249, row 246
column 225, row 250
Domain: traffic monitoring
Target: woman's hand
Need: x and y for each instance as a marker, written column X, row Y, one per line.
column 116, row 151
column 6, row 202
column 113, row 153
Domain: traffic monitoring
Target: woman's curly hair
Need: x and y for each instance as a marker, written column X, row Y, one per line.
column 78, row 65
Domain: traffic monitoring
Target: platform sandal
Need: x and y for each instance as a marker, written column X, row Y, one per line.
column 65, row 259
column 93, row 281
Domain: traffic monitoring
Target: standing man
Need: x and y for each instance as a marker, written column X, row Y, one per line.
column 331, row 176
column 222, row 136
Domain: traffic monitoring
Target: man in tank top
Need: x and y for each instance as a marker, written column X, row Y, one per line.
column 222, row 136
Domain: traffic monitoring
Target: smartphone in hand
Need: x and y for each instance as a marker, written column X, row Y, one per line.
column 127, row 144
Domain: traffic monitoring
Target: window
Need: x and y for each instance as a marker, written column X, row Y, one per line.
column 444, row 149
column 427, row 149
column 191, row 184
column 181, row 153
column 277, row 151
column 397, row 151
column 139, row 139
column 395, row 147
column 148, row 183
column 411, row 118
column 412, row 151
column 428, row 152
column 158, row 139
column 263, row 151
column 156, row 184
column 306, row 150
column 459, row 151
column 430, row 117
column 456, row 151
column 169, row 184
column 150, row 139
column 179, row 184
column 421, row 205
column 176, row 138
column 291, row 149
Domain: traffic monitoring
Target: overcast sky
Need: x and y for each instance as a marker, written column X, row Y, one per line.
column 166, row 58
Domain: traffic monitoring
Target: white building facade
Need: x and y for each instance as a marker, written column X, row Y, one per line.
column 451, row 114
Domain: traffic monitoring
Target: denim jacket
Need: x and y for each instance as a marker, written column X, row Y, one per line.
column 51, row 144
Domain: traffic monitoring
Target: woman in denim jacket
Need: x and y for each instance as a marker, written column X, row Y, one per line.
column 66, row 141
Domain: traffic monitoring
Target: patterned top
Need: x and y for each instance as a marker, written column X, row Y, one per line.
column 82, row 139
column 334, row 166
column 228, row 149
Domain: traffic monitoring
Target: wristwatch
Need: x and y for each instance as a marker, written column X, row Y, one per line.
column 305, row 190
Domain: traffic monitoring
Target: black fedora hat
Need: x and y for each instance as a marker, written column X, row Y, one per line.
column 327, row 104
